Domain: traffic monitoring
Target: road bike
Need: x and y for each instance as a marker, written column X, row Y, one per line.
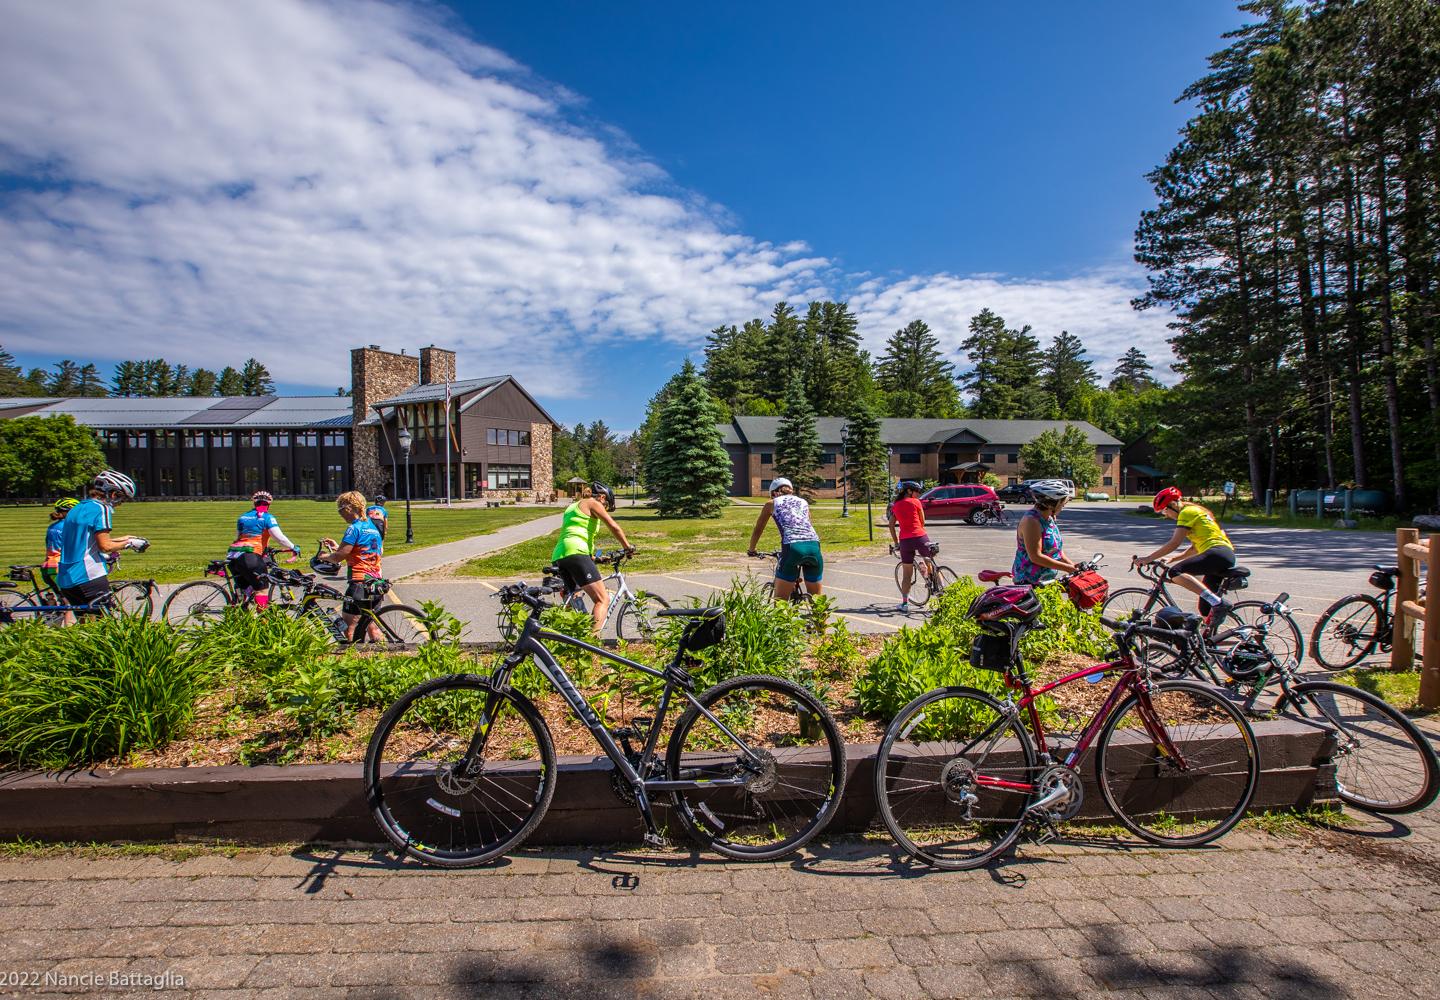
column 1355, row 626
column 799, row 595
column 958, row 778
column 633, row 611
column 1139, row 603
column 202, row 599
column 461, row 769
column 393, row 624
column 1383, row 763
column 929, row 578
column 989, row 513
column 131, row 597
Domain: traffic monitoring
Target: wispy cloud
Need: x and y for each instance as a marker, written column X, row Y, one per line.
column 287, row 179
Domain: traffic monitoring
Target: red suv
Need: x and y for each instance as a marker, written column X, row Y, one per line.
column 949, row 502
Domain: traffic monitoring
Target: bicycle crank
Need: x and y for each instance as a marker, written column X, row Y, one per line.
column 1062, row 793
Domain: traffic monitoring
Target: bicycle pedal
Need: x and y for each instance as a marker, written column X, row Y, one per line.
column 655, row 840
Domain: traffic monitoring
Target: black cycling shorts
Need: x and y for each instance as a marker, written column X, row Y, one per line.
column 249, row 571
column 1210, row 565
column 358, row 598
column 87, row 594
column 578, row 571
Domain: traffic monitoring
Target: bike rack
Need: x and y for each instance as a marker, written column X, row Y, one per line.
column 1410, row 553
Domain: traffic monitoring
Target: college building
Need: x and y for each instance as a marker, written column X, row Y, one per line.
column 314, row 446
column 941, row 451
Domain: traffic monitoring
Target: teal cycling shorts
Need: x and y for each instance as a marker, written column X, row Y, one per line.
column 798, row 556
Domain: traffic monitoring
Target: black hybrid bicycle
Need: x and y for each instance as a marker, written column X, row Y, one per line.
column 1354, row 627
column 461, row 769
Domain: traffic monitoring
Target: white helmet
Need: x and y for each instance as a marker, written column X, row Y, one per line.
column 1050, row 489
column 113, row 482
column 777, row 484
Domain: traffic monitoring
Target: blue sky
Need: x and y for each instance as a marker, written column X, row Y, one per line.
column 572, row 192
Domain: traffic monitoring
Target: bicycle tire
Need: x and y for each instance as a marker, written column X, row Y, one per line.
column 133, row 598
column 793, row 797
column 1284, row 640
column 918, row 783
column 1347, row 632
column 398, row 624
column 195, row 603
column 797, row 596
column 944, row 578
column 920, row 591
column 1126, row 604
column 1400, row 749
column 1215, row 733
column 417, row 819
column 641, row 624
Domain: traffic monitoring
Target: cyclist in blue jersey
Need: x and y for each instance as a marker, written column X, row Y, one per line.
column 253, row 531
column 87, row 546
column 361, row 547
column 51, row 566
column 378, row 515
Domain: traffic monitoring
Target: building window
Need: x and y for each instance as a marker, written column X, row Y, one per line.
column 167, row 482
column 138, row 475
column 222, row 481
column 109, row 439
column 137, row 439
column 192, row 439
column 307, row 480
column 1108, row 481
column 767, row 458
column 765, row 485
column 222, row 439
column 334, row 479
column 252, row 478
column 509, row 477
column 249, row 439
column 1107, row 458
column 305, row 439
column 334, row 439
column 279, row 439
column 827, row 484
column 509, row 438
column 280, row 479
column 909, row 458
column 988, row 458
column 1014, row 458
column 164, row 439
column 827, row 458
column 195, row 482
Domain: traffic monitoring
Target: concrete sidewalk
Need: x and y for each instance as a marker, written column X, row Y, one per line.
column 433, row 557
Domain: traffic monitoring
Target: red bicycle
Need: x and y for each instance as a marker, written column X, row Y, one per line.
column 958, row 778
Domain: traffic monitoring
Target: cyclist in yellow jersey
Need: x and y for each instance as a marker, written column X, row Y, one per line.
column 574, row 551
column 1211, row 553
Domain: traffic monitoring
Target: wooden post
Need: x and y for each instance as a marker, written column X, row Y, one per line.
column 1402, row 646
column 1430, row 654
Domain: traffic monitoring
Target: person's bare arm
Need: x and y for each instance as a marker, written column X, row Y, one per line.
column 598, row 510
column 1031, row 535
column 109, row 545
column 766, row 513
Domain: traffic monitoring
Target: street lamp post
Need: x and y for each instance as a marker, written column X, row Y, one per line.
column 405, row 439
column 634, row 483
column 845, row 471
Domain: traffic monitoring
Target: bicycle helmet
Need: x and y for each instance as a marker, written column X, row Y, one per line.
column 261, row 496
column 1165, row 498
column 1050, row 489
column 1006, row 604
column 779, row 483
column 604, row 493
column 906, row 484
column 324, row 568
column 65, row 504
column 114, row 483
column 380, row 500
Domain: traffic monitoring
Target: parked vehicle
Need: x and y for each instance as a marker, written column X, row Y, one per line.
column 957, row 502
column 1015, row 493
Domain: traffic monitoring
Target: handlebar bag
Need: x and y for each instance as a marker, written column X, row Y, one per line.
column 1087, row 589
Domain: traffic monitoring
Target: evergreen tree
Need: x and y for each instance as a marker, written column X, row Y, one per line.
column 12, row 383
column 230, row 383
column 645, row 436
column 37, row 382
column 599, row 445
column 1066, row 374
column 203, row 383
column 1004, row 381
column 797, row 442
column 784, row 351
column 688, row 469
column 89, row 383
column 913, row 376
column 255, row 379
column 127, row 379
column 1132, row 372
column 867, row 461
column 65, row 381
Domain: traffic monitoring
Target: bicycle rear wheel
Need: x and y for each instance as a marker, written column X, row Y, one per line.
column 935, row 775
column 397, row 625
column 944, row 577
column 1184, row 802
column 133, row 598
column 1383, row 763
column 790, row 755
column 1126, row 604
column 437, row 802
column 1284, row 638
column 1347, row 632
column 195, row 603
column 637, row 618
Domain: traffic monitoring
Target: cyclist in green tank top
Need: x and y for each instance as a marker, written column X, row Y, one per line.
column 574, row 550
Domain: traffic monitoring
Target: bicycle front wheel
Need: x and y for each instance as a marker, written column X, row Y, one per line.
column 1177, row 765
column 457, row 772
column 637, row 618
column 953, row 778
column 133, row 598
column 1347, row 632
column 1126, row 604
column 1383, row 763
column 1283, row 637
column 921, row 586
column 780, row 744
column 944, row 577
column 391, row 625
column 195, row 604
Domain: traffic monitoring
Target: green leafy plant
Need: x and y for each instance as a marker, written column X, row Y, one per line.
column 761, row 636
column 310, row 695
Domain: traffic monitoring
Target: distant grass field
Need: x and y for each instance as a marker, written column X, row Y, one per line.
column 666, row 544
column 187, row 534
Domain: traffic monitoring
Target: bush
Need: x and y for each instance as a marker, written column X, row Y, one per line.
column 97, row 690
column 268, row 643
column 761, row 636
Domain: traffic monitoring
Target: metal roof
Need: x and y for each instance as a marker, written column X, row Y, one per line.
column 166, row 412
column 897, row 431
column 435, row 391
column 16, row 402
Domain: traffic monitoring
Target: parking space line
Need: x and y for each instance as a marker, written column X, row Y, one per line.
column 842, row 614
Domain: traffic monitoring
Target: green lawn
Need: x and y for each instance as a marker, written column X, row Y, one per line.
column 187, row 534
column 666, row 544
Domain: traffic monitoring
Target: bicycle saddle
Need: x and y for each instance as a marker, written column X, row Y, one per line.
column 1174, row 618
column 7, row 585
column 1238, row 573
column 992, row 575
column 1387, row 570
column 689, row 612
column 551, row 570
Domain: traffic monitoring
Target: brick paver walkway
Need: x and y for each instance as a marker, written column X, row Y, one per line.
column 1316, row 914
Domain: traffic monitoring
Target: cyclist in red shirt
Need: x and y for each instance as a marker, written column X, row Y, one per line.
column 908, row 516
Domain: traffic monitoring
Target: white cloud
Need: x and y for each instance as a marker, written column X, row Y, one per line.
column 288, row 179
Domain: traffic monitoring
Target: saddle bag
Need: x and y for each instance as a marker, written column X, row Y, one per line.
column 708, row 633
column 1087, row 589
column 991, row 651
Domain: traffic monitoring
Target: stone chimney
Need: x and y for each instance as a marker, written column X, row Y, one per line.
column 436, row 365
column 375, row 375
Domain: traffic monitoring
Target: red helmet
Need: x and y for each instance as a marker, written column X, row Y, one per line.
column 1166, row 497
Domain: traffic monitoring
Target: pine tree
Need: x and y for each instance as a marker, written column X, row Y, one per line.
column 797, row 442
column 65, row 381
column 37, row 381
column 12, row 383
column 1066, row 374
column 1004, row 379
column 913, row 376
column 89, row 383
column 127, row 379
column 203, row 382
column 688, row 469
column 1132, row 372
column 255, row 379
column 230, row 383
column 867, row 462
